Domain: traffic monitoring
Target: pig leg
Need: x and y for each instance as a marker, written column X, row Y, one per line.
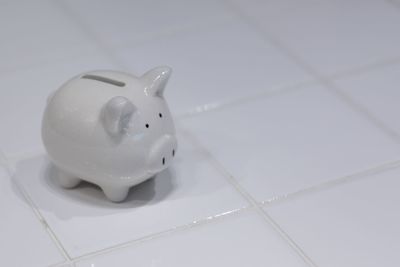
column 115, row 194
column 67, row 180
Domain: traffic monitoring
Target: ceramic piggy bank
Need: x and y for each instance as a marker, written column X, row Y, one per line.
column 111, row 129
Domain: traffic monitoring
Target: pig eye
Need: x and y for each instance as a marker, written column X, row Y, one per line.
column 160, row 115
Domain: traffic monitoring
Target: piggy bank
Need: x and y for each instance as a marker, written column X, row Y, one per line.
column 110, row 128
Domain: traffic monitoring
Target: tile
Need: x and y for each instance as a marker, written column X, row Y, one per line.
column 118, row 23
column 36, row 33
column 21, row 232
column 85, row 221
column 354, row 224
column 378, row 91
column 23, row 99
column 216, row 65
column 63, row 265
column 336, row 36
column 245, row 240
column 285, row 143
column 271, row 7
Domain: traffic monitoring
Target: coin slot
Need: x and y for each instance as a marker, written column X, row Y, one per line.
column 103, row 79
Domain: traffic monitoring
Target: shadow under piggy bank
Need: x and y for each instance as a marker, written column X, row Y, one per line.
column 92, row 194
column 38, row 178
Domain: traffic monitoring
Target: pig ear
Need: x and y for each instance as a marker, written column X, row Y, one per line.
column 117, row 113
column 156, row 80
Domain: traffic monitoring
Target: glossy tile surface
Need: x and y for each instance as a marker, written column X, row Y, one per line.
column 243, row 240
column 126, row 22
column 381, row 101
column 335, row 36
column 217, row 65
column 84, row 220
column 21, row 232
column 352, row 224
column 36, row 33
column 258, row 126
column 288, row 142
column 270, row 8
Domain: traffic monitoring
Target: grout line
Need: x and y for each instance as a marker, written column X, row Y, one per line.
column 46, row 64
column 5, row 163
column 278, row 90
column 324, row 80
column 173, row 32
column 185, row 227
column 240, row 15
column 362, row 110
column 273, row 91
column 39, row 216
column 334, row 182
column 231, row 179
column 70, row 260
column 377, row 65
column 251, row 200
column 270, row 38
column 74, row 18
column 109, row 51
column 193, row 224
column 42, row 220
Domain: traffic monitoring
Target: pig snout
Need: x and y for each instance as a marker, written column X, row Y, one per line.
column 162, row 152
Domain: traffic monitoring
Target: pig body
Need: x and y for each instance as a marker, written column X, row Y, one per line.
column 111, row 129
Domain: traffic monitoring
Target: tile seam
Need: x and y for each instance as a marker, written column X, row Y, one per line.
column 268, row 219
column 35, row 210
column 324, row 80
column 360, row 175
column 171, row 231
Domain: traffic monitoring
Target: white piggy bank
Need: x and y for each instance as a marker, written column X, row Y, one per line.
column 111, row 129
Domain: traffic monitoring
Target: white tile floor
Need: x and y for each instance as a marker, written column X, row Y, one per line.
column 275, row 168
column 289, row 142
column 223, row 243
column 333, row 35
column 125, row 23
column 36, row 33
column 24, row 239
column 189, row 191
column 242, row 63
column 378, row 91
column 351, row 224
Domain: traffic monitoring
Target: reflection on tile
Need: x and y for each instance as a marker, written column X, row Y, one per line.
column 215, row 65
column 85, row 221
column 337, row 35
column 24, row 241
column 126, row 22
column 378, row 91
column 244, row 240
column 35, row 33
column 350, row 225
column 286, row 143
column 22, row 107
